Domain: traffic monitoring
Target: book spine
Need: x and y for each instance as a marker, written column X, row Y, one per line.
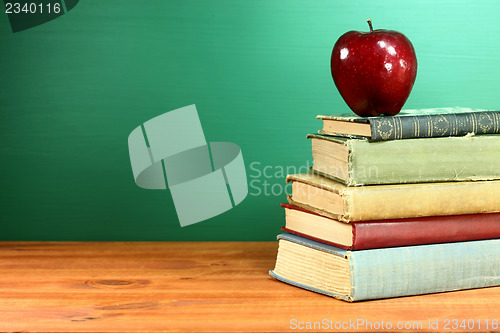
column 431, row 230
column 424, row 160
column 416, row 270
column 428, row 126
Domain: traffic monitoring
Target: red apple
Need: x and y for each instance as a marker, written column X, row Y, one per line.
column 374, row 71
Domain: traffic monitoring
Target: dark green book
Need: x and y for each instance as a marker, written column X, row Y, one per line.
column 410, row 124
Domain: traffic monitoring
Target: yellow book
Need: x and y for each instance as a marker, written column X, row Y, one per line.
column 333, row 199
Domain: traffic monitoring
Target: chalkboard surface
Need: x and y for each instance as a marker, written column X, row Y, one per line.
column 73, row 89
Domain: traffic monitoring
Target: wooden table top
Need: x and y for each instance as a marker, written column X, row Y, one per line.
column 205, row 287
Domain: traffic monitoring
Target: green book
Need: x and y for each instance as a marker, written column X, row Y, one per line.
column 388, row 272
column 408, row 124
column 355, row 162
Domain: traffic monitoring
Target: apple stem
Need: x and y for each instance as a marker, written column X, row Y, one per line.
column 370, row 24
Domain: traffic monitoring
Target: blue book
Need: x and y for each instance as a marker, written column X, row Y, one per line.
column 388, row 272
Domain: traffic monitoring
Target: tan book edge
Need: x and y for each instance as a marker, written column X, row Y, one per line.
column 319, row 227
column 348, row 127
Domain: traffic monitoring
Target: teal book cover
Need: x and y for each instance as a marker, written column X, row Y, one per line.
column 386, row 272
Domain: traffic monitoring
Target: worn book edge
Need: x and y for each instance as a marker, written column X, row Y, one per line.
column 384, row 273
column 320, row 247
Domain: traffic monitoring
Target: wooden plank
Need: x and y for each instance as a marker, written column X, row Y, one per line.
column 186, row 287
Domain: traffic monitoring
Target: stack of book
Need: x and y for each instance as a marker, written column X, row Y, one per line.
column 396, row 206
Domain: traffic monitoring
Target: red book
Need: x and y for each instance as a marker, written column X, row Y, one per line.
column 362, row 235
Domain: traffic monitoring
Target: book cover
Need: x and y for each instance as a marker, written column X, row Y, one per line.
column 358, row 162
column 391, row 233
column 380, row 202
column 423, row 123
column 389, row 272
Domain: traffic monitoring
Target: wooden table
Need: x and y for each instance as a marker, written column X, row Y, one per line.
column 206, row 287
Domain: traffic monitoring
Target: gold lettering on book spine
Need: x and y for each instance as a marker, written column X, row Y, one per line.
column 385, row 128
column 474, row 123
column 467, row 120
column 485, row 123
column 453, row 124
column 429, row 125
column 400, row 127
column 417, row 126
column 441, row 125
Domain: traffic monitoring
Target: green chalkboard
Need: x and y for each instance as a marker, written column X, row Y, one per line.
column 74, row 88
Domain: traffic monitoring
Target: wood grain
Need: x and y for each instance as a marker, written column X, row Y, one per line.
column 192, row 287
